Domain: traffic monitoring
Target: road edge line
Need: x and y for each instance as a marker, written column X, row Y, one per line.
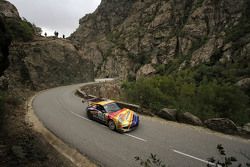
column 196, row 158
column 61, row 147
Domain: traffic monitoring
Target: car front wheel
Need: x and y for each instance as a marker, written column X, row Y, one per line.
column 111, row 125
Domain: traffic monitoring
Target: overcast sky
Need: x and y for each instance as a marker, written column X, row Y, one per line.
column 55, row 15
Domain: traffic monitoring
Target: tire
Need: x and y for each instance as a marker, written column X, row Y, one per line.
column 111, row 125
column 89, row 115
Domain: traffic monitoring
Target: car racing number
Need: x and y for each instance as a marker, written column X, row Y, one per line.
column 98, row 113
column 101, row 116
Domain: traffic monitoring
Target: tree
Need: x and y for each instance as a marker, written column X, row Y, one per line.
column 38, row 30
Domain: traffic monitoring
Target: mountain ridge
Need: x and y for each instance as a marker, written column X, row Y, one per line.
column 144, row 35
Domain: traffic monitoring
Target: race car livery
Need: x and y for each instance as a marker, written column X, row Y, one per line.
column 111, row 114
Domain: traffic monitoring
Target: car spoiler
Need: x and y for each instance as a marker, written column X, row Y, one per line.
column 91, row 100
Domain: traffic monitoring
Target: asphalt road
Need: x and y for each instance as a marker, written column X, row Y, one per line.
column 178, row 145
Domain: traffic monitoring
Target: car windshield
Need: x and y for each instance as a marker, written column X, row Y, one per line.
column 112, row 107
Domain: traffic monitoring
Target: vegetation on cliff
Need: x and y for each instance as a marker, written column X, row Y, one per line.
column 20, row 30
column 12, row 29
column 205, row 97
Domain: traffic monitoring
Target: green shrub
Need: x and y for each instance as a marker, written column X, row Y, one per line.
column 206, row 99
column 220, row 100
column 152, row 161
column 242, row 28
column 225, row 160
column 20, row 30
column 142, row 92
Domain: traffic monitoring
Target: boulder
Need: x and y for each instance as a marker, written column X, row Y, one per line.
column 222, row 125
column 244, row 83
column 246, row 128
column 145, row 70
column 168, row 114
column 189, row 118
column 9, row 10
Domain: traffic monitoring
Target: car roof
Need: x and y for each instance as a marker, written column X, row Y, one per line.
column 105, row 102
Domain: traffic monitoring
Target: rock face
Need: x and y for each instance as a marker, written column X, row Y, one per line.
column 246, row 128
column 168, row 114
column 189, row 118
column 30, row 62
column 45, row 63
column 8, row 10
column 5, row 42
column 222, row 125
column 145, row 70
column 110, row 90
column 124, row 37
column 244, row 84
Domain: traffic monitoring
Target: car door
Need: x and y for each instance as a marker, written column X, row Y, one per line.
column 101, row 113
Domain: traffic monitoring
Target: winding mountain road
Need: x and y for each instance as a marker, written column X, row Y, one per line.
column 178, row 145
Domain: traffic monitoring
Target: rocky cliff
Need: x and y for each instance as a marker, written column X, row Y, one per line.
column 135, row 38
column 45, row 63
column 31, row 62
column 7, row 11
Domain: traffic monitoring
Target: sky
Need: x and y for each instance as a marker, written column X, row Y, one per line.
column 55, row 15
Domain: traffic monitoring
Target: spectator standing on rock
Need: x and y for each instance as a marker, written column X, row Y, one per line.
column 56, row 34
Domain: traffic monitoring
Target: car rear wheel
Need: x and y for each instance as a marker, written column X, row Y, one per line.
column 111, row 125
column 90, row 116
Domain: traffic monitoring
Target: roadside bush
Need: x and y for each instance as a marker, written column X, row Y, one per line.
column 143, row 92
column 242, row 28
column 151, row 161
column 220, row 100
column 20, row 30
column 225, row 160
column 222, row 160
column 205, row 99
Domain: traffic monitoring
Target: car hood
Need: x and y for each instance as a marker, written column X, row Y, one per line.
column 123, row 115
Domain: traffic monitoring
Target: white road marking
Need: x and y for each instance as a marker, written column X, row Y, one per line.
column 193, row 157
column 75, row 114
column 138, row 138
column 79, row 116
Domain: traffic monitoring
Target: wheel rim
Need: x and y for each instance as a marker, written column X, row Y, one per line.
column 111, row 125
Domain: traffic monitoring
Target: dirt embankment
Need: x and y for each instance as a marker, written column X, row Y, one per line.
column 20, row 145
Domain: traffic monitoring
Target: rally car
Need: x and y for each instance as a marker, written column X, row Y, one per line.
column 111, row 114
